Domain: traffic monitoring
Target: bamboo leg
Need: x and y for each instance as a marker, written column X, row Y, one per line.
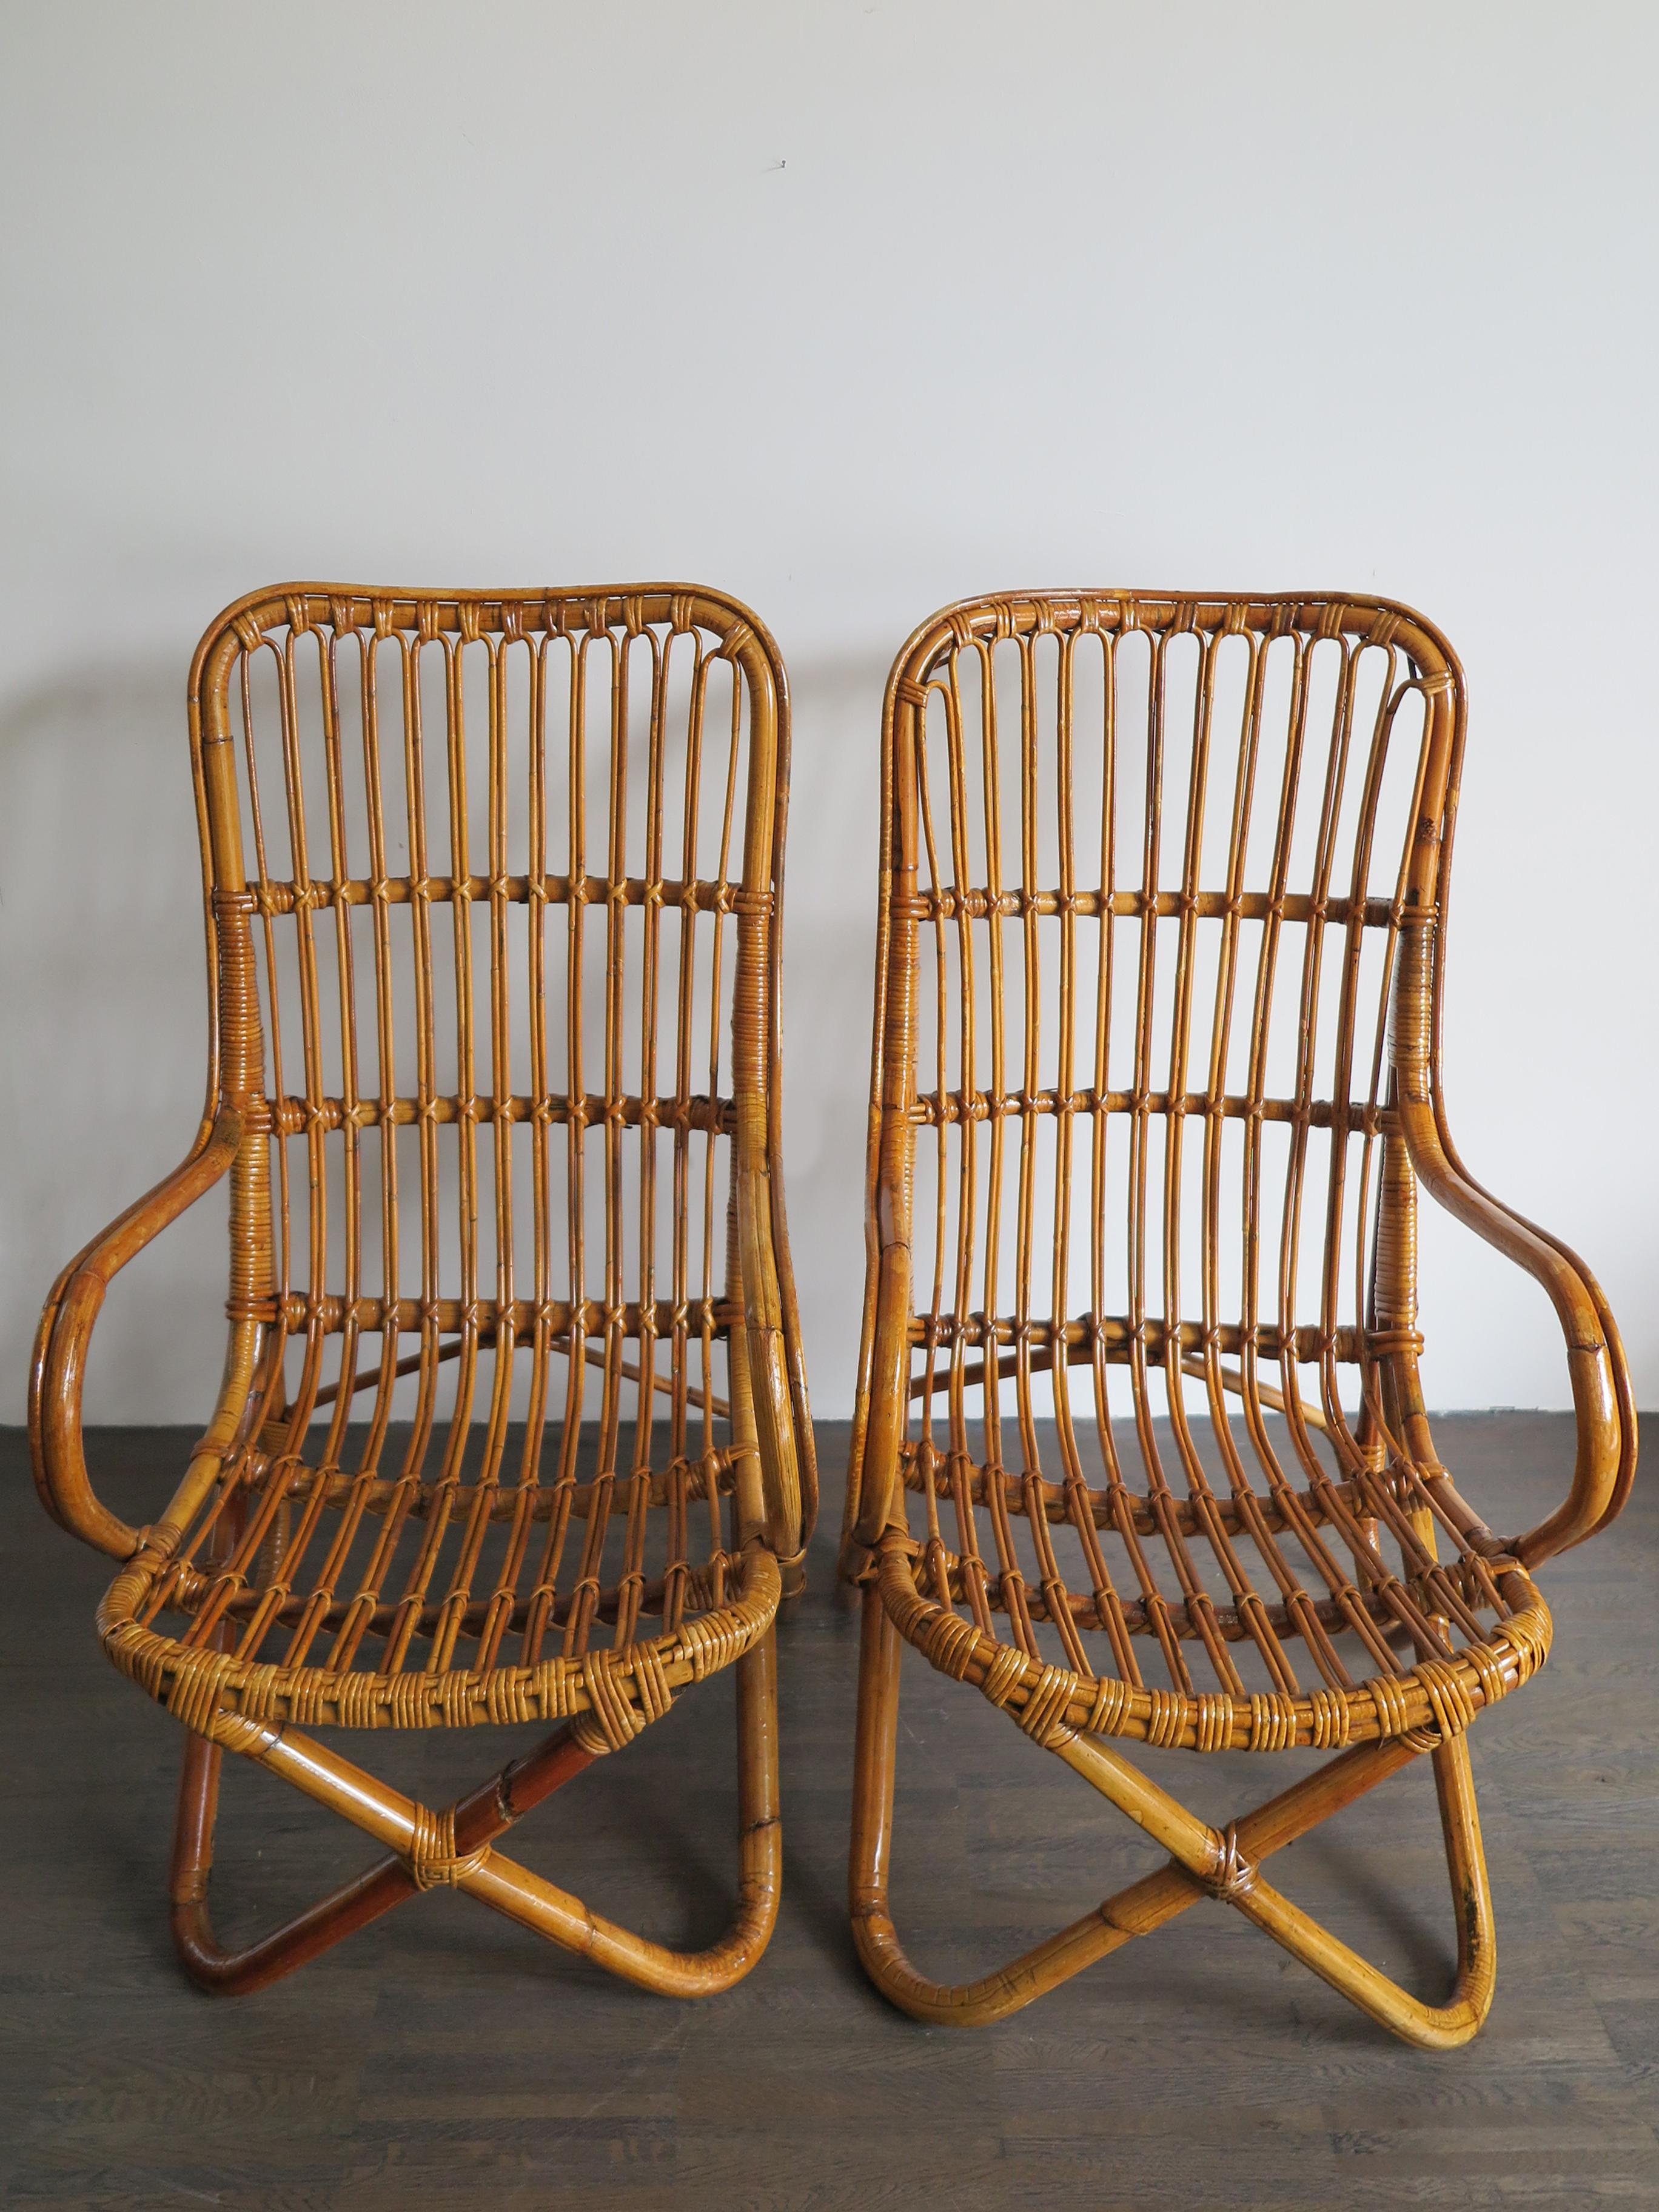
column 1205, row 1863
column 565, row 1920
column 522, row 1896
column 1466, row 1862
column 873, row 1932
column 487, row 1813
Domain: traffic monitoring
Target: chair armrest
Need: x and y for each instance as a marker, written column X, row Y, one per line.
column 1602, row 1399
column 56, row 1379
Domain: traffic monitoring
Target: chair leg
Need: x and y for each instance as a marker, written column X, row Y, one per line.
column 400, row 1823
column 563, row 1919
column 963, row 2005
column 1205, row 1863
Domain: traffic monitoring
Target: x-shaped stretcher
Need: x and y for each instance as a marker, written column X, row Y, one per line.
column 456, row 1848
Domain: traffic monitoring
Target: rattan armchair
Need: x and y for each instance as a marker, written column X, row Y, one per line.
column 513, row 1423
column 1141, row 1451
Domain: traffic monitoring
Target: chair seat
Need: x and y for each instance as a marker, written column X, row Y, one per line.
column 357, row 1599
column 1136, row 1611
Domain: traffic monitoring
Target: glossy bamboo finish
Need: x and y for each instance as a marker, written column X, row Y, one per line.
column 1156, row 1082
column 513, row 1423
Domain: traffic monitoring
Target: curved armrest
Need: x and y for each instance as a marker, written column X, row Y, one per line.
column 56, row 1379
column 1602, row 1395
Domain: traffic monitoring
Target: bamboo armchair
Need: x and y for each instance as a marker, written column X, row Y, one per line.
column 1139, row 1449
column 514, row 1423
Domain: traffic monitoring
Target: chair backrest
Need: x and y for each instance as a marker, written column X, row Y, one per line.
column 494, row 881
column 1154, row 869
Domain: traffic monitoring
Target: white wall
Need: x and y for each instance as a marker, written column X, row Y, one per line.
column 849, row 309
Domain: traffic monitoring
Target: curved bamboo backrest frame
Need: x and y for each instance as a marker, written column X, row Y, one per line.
column 296, row 1280
column 965, row 866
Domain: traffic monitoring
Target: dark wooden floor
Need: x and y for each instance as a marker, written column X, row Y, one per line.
column 443, row 2058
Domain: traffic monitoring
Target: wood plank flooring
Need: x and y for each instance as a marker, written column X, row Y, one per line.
column 443, row 2058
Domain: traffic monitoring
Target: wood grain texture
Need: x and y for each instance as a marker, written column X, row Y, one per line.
column 439, row 2057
